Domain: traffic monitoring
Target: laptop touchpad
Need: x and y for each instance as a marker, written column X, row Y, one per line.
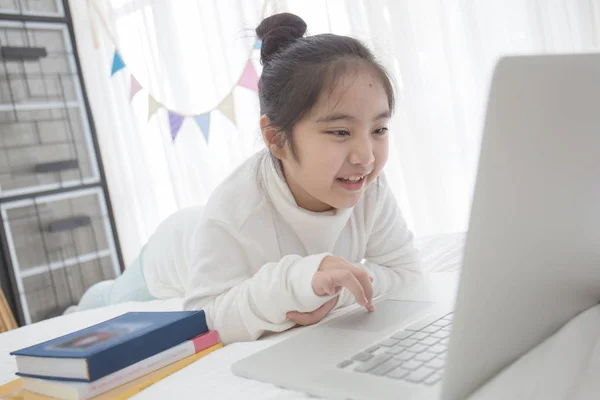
column 386, row 315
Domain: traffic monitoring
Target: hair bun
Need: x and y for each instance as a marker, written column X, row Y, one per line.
column 277, row 31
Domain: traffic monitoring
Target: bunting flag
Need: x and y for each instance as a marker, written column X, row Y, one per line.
column 134, row 87
column 249, row 77
column 117, row 63
column 203, row 122
column 153, row 106
column 175, row 121
column 227, row 107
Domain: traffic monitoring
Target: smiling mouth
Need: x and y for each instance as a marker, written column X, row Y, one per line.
column 352, row 179
column 352, row 183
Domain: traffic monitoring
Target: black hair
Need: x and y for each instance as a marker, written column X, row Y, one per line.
column 297, row 68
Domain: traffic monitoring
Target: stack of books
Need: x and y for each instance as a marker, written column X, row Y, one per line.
column 116, row 358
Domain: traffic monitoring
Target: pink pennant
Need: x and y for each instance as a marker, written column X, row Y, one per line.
column 249, row 78
column 134, row 87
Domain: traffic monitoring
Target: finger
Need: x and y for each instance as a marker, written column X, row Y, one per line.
column 365, row 281
column 345, row 278
column 324, row 284
column 313, row 317
column 363, row 277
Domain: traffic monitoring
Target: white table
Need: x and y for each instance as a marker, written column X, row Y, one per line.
column 565, row 366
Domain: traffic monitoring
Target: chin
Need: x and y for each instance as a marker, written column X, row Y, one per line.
column 348, row 202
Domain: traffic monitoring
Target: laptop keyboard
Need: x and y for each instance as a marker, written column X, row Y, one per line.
column 412, row 355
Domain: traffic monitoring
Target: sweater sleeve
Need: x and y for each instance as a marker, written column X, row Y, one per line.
column 390, row 256
column 240, row 305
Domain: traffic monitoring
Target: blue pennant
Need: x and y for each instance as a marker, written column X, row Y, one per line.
column 203, row 122
column 117, row 63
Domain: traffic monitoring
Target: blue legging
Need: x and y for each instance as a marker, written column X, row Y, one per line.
column 129, row 286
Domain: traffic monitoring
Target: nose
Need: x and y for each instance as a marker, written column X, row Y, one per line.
column 361, row 152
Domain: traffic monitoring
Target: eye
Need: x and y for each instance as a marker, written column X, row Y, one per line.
column 380, row 131
column 339, row 133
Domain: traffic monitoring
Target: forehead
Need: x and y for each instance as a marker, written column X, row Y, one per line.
column 357, row 91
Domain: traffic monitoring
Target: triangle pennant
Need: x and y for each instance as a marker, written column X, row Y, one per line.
column 203, row 122
column 258, row 44
column 153, row 106
column 117, row 63
column 134, row 87
column 249, row 78
column 175, row 121
column 227, row 107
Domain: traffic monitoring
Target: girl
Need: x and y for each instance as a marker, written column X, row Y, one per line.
column 310, row 224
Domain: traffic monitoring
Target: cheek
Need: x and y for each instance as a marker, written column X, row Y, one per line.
column 381, row 153
column 322, row 162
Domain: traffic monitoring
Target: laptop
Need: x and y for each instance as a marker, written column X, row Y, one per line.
column 531, row 260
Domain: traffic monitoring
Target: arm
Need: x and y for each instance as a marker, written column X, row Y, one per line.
column 239, row 305
column 390, row 257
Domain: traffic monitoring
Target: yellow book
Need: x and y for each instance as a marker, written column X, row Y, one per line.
column 14, row 391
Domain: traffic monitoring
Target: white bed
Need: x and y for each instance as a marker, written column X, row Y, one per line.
column 211, row 377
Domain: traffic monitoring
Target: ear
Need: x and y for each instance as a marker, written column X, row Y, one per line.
column 272, row 137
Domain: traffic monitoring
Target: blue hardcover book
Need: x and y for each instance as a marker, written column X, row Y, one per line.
column 99, row 350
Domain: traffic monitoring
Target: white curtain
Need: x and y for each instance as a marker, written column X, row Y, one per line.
column 189, row 54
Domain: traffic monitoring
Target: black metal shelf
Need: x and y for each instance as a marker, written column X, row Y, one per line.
column 55, row 205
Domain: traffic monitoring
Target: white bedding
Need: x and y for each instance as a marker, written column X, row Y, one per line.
column 211, row 376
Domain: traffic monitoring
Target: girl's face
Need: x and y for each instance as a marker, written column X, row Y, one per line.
column 341, row 145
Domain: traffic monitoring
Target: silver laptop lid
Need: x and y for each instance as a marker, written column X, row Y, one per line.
column 532, row 258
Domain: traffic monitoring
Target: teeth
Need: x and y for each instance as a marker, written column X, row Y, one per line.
column 353, row 178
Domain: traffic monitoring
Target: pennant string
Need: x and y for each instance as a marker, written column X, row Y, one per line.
column 248, row 79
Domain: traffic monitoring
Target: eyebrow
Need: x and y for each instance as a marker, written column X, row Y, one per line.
column 342, row 116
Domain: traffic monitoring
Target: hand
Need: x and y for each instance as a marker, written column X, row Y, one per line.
column 334, row 273
column 310, row 318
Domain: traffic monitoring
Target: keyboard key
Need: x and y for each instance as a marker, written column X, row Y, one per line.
column 372, row 349
column 444, row 342
column 412, row 365
column 431, row 329
column 398, row 373
column 362, row 357
column 372, row 363
column 448, row 317
column 438, row 349
column 405, row 356
column 425, row 356
column 433, row 379
column 386, row 367
column 344, row 364
column 394, row 350
column 441, row 323
column 417, row 348
column 444, row 323
column 419, row 336
column 441, row 334
column 436, row 363
column 442, row 356
column 388, row 342
column 407, row 342
column 420, row 374
column 402, row 335
column 447, row 328
column 429, row 341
